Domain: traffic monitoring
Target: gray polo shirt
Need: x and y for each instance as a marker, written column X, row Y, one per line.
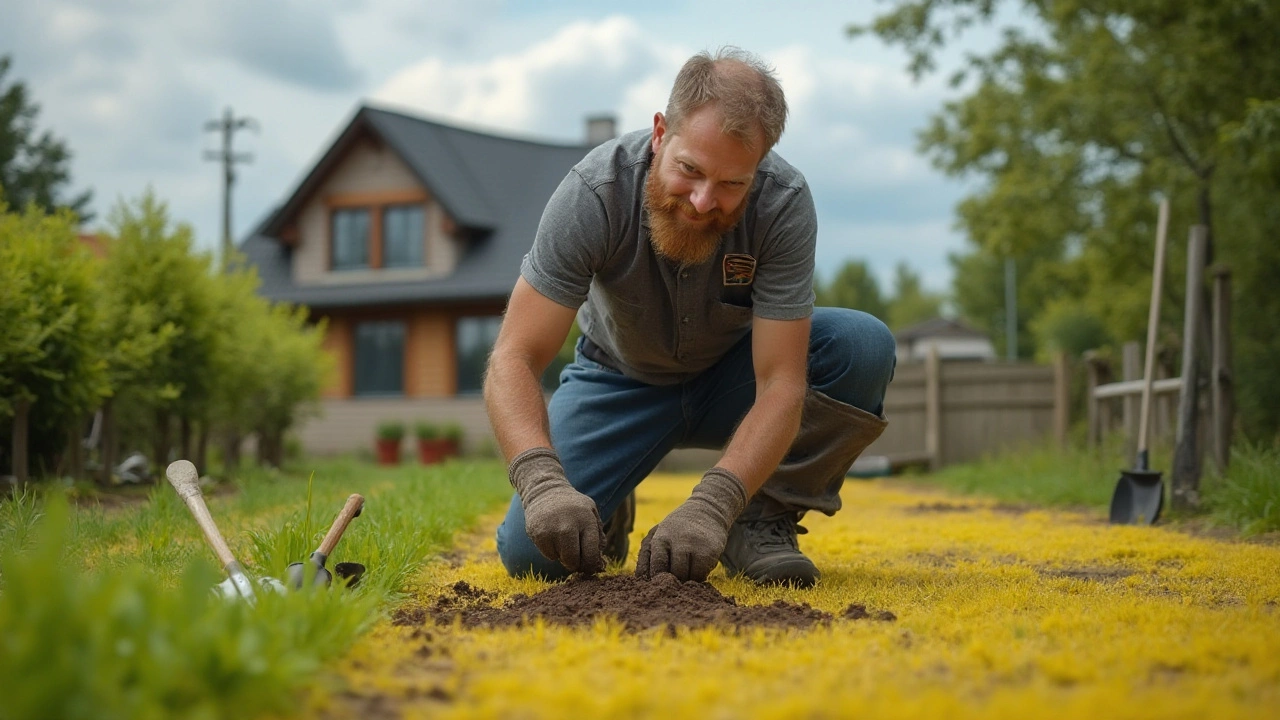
column 660, row 322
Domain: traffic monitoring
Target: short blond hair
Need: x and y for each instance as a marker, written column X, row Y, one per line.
column 741, row 85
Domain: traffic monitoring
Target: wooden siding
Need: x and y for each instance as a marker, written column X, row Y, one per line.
column 431, row 360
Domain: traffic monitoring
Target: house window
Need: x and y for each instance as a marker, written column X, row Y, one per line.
column 403, row 236
column 379, row 358
column 476, row 336
column 350, row 239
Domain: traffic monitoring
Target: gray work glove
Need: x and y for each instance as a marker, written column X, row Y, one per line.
column 563, row 523
column 688, row 542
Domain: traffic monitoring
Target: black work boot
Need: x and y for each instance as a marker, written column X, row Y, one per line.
column 617, row 530
column 763, row 547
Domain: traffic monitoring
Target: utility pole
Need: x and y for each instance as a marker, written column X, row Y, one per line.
column 228, row 125
column 1011, row 308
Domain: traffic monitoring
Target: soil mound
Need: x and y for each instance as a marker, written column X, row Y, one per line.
column 637, row 604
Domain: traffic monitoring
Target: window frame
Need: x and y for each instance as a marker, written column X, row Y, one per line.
column 375, row 204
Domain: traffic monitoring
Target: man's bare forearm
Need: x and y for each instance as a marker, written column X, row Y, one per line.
column 765, row 434
column 515, row 403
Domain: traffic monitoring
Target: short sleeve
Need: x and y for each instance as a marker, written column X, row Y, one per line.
column 569, row 247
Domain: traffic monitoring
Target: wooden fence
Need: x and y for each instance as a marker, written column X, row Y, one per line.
column 948, row 412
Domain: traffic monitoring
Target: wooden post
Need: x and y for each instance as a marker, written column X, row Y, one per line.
column 933, row 408
column 1131, row 366
column 1222, row 385
column 1099, row 410
column 21, row 425
column 1061, row 397
column 1188, row 449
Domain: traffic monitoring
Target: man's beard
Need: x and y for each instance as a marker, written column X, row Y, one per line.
column 671, row 234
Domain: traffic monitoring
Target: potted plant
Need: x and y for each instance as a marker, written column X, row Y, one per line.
column 390, row 436
column 453, row 435
column 432, row 445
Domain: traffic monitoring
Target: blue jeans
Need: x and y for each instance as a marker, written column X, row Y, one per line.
column 611, row 431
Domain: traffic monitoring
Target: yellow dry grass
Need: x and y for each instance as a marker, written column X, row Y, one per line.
column 1001, row 613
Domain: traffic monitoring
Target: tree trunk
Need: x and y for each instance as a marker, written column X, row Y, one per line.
column 107, row 442
column 231, row 453
column 184, row 438
column 75, row 451
column 160, row 451
column 202, row 446
column 21, row 425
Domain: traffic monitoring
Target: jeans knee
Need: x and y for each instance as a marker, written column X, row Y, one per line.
column 518, row 553
column 853, row 356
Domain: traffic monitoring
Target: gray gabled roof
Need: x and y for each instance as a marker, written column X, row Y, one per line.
column 494, row 188
column 940, row 327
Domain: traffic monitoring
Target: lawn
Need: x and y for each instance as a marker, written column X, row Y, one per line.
column 1003, row 609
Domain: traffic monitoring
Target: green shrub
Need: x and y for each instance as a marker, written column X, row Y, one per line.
column 428, row 431
column 391, row 430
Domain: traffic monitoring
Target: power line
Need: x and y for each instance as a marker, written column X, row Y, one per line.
column 228, row 125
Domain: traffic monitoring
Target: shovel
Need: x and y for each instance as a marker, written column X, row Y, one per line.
column 1139, row 494
column 184, row 478
column 351, row 572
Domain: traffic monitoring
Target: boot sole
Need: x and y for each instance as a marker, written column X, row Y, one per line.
column 798, row 572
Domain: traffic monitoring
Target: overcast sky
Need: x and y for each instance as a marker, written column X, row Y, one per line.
column 129, row 84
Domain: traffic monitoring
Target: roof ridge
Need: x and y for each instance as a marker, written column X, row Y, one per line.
column 478, row 130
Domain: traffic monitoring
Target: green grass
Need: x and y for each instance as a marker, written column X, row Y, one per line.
column 1040, row 474
column 1246, row 498
column 106, row 611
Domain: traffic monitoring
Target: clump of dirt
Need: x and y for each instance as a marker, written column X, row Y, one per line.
column 860, row 612
column 663, row 602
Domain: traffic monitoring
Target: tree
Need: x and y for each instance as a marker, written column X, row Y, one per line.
column 853, row 286
column 911, row 303
column 33, row 169
column 50, row 373
column 1079, row 124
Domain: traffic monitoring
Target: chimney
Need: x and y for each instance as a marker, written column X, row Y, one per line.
column 601, row 128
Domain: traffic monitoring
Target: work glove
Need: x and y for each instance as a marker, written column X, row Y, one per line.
column 563, row 523
column 688, row 542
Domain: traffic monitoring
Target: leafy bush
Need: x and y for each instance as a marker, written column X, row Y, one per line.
column 390, row 430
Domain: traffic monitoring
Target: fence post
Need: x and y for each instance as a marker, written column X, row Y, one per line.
column 1061, row 397
column 1099, row 418
column 1222, row 384
column 1131, row 367
column 1187, row 450
column 933, row 407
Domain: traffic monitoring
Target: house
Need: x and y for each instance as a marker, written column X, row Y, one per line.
column 406, row 238
column 954, row 340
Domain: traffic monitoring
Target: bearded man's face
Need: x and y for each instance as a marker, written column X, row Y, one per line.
column 697, row 186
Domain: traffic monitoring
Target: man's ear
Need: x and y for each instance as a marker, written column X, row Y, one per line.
column 659, row 131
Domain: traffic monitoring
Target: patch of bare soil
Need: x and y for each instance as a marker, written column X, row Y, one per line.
column 637, row 604
column 1095, row 574
column 941, row 507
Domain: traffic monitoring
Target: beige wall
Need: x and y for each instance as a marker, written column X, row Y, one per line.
column 369, row 169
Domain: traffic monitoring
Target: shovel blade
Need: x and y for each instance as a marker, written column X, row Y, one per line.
column 1138, row 498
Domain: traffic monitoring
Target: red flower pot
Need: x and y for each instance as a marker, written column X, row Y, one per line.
column 434, row 451
column 388, row 452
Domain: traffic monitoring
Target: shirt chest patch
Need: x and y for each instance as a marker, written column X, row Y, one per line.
column 739, row 269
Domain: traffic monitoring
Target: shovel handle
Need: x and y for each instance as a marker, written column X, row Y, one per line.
column 354, row 505
column 184, row 478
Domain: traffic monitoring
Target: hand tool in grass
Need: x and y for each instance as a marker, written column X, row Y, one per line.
column 1139, row 494
column 298, row 571
column 184, row 479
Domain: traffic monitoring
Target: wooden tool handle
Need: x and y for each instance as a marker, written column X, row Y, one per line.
column 184, row 478
column 354, row 504
column 1153, row 321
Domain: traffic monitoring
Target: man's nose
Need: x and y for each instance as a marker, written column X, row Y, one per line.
column 702, row 198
